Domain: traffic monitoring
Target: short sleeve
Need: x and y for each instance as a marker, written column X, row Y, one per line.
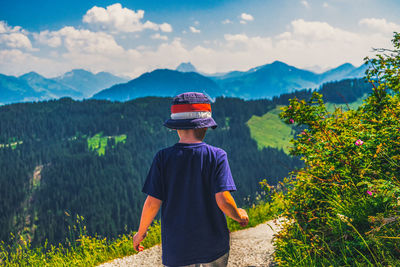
column 153, row 185
column 224, row 179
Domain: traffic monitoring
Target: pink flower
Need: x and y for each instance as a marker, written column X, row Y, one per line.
column 291, row 121
column 303, row 133
column 369, row 193
column 290, row 107
column 309, row 139
column 359, row 142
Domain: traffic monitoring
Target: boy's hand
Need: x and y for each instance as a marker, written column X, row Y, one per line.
column 137, row 238
column 244, row 218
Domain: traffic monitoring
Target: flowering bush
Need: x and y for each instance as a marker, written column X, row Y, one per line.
column 343, row 207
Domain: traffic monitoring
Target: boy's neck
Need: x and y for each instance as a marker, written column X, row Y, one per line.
column 190, row 141
column 191, row 136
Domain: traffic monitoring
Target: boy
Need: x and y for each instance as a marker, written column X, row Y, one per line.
column 192, row 182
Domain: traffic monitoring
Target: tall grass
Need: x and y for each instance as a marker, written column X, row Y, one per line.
column 88, row 250
column 85, row 250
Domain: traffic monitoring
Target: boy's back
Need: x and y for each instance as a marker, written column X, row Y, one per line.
column 186, row 177
column 191, row 182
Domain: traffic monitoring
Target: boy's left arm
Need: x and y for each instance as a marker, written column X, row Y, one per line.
column 150, row 209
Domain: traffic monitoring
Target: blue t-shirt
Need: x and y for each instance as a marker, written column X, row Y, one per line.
column 186, row 177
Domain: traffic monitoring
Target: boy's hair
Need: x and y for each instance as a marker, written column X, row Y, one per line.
column 200, row 133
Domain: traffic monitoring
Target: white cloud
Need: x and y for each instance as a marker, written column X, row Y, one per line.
column 320, row 31
column 194, row 30
column 165, row 27
column 115, row 18
column 16, row 40
column 380, row 25
column 14, row 37
column 305, row 3
column 81, row 41
column 159, row 37
column 242, row 42
column 48, row 38
column 246, row 17
column 303, row 44
column 89, row 42
column 17, row 62
column 319, row 43
column 227, row 21
column 5, row 28
column 326, row 5
column 236, row 37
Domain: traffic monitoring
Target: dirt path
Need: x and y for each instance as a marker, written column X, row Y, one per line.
column 249, row 247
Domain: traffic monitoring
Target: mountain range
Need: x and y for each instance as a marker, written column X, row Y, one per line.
column 161, row 82
column 32, row 86
column 264, row 81
column 88, row 83
column 261, row 82
column 278, row 78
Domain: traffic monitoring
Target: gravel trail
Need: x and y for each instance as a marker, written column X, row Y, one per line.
column 250, row 247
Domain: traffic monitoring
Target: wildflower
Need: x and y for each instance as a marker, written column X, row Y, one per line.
column 290, row 107
column 291, row 121
column 359, row 142
column 369, row 193
column 309, row 139
column 303, row 133
column 343, row 218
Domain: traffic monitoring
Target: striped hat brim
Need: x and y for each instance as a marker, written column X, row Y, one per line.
column 184, row 124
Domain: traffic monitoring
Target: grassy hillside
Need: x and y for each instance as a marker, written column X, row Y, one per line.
column 269, row 131
column 99, row 142
column 353, row 105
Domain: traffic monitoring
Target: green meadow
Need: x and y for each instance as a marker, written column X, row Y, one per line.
column 99, row 142
column 353, row 105
column 268, row 130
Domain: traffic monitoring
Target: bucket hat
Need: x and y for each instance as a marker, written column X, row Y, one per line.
column 190, row 110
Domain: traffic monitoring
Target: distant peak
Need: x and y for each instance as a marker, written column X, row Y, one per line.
column 80, row 71
column 346, row 65
column 186, row 67
column 277, row 62
column 30, row 75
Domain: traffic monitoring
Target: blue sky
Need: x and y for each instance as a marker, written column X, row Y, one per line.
column 131, row 37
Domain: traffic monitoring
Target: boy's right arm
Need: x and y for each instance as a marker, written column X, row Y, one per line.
column 228, row 206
